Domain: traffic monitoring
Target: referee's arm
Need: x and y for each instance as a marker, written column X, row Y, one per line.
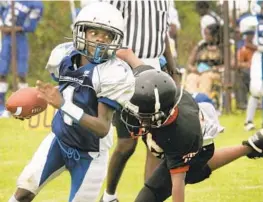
column 171, row 66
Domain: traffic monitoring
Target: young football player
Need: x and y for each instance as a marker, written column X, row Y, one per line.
column 254, row 23
column 92, row 83
column 178, row 130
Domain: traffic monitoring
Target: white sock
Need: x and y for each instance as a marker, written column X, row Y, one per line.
column 22, row 85
column 251, row 108
column 3, row 87
column 107, row 197
column 13, row 199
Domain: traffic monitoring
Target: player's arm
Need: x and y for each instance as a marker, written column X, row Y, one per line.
column 178, row 186
column 99, row 125
column 128, row 56
column 171, row 66
column 192, row 60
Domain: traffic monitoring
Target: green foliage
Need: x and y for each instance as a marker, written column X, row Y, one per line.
column 190, row 29
column 53, row 27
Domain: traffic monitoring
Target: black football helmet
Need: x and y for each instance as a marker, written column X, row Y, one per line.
column 154, row 98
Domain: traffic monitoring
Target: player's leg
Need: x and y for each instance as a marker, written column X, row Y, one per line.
column 46, row 164
column 150, row 165
column 5, row 58
column 250, row 112
column 255, row 88
column 252, row 148
column 124, row 149
column 22, row 60
column 87, row 176
column 158, row 187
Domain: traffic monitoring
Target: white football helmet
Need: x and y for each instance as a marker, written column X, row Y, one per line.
column 100, row 15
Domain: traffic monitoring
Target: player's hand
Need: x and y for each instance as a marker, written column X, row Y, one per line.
column 125, row 54
column 50, row 93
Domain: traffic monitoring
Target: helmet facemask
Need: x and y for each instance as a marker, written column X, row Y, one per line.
column 140, row 123
column 102, row 51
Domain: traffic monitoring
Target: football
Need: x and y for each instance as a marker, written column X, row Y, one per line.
column 25, row 103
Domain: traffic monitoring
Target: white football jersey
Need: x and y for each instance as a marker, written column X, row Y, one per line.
column 105, row 83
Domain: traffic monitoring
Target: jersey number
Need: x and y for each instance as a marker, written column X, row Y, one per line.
column 68, row 96
column 153, row 147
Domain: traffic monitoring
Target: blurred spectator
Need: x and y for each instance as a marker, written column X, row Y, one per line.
column 27, row 16
column 256, row 84
column 174, row 28
column 241, row 7
column 244, row 57
column 208, row 17
column 205, row 62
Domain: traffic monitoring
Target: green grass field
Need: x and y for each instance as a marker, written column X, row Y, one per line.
column 241, row 181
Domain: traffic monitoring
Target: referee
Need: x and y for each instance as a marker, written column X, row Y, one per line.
column 147, row 24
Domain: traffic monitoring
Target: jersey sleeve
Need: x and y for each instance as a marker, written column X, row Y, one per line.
column 114, row 83
column 56, row 57
column 180, row 160
column 34, row 16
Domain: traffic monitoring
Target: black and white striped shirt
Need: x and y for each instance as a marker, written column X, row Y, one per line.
column 146, row 25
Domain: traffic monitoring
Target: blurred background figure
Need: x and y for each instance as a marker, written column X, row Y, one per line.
column 246, row 31
column 175, row 27
column 241, row 8
column 207, row 16
column 205, row 63
column 27, row 16
column 256, row 84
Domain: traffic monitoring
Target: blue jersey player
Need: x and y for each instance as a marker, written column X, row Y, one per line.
column 27, row 16
column 92, row 84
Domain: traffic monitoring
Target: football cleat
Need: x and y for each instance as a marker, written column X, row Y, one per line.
column 249, row 126
column 102, row 199
column 256, row 143
column 114, row 200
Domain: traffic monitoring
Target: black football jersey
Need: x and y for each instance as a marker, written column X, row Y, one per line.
column 181, row 140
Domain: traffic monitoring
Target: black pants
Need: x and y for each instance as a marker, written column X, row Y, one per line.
column 159, row 187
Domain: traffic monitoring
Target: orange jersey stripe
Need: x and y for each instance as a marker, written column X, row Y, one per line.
column 180, row 170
